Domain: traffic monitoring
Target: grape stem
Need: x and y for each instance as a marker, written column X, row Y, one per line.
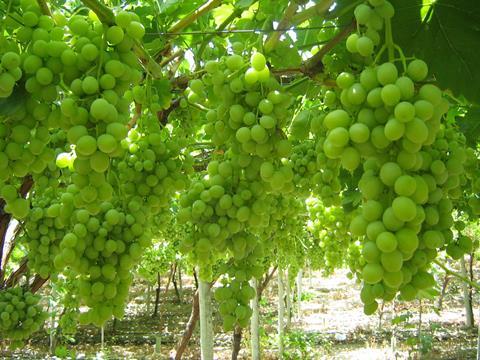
column 296, row 82
column 100, row 62
column 7, row 13
column 172, row 57
column 199, row 107
column 457, row 275
column 389, row 40
column 314, row 64
column 44, row 7
column 402, row 57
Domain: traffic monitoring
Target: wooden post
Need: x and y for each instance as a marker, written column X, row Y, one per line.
column 187, row 334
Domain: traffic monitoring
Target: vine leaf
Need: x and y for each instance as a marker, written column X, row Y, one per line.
column 470, row 125
column 448, row 39
column 12, row 104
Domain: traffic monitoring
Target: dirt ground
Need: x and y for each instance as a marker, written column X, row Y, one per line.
column 329, row 325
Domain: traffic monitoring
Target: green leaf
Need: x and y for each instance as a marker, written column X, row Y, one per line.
column 470, row 125
column 285, row 55
column 448, row 40
column 221, row 13
column 400, row 319
column 12, row 104
column 243, row 4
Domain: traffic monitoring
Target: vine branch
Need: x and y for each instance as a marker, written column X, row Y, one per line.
column 103, row 12
column 457, row 275
column 44, row 7
column 318, row 10
column 5, row 221
column 314, row 64
column 194, row 15
column 273, row 38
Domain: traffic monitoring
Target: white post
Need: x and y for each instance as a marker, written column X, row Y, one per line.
column 281, row 312
column 393, row 340
column 102, row 337
column 53, row 316
column 466, row 295
column 206, row 327
column 299, row 294
column 254, row 323
column 289, row 298
column 478, row 338
column 310, row 278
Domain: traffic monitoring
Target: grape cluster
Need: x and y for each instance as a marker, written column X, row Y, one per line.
column 313, row 170
column 98, row 185
column 20, row 314
column 221, row 211
column 329, row 229
column 152, row 170
column 46, row 223
column 10, row 72
column 370, row 18
column 409, row 179
column 235, row 293
column 95, row 113
column 247, row 111
column 234, row 303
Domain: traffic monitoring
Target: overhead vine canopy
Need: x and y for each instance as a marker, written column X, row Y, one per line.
column 216, row 123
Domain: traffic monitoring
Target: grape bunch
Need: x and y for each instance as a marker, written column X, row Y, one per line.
column 235, row 293
column 328, row 227
column 407, row 183
column 247, row 110
column 152, row 169
column 45, row 224
column 98, row 185
column 20, row 314
column 220, row 210
column 370, row 18
column 313, row 171
column 234, row 303
column 10, row 72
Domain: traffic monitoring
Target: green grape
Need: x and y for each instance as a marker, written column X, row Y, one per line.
column 404, row 111
column 364, row 46
column 386, row 242
column 115, row 35
column 387, row 73
column 86, row 145
column 90, row 85
column 417, row 70
column 136, row 30
column 394, row 129
column 404, row 208
column 351, row 43
column 258, row 61
column 362, row 14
